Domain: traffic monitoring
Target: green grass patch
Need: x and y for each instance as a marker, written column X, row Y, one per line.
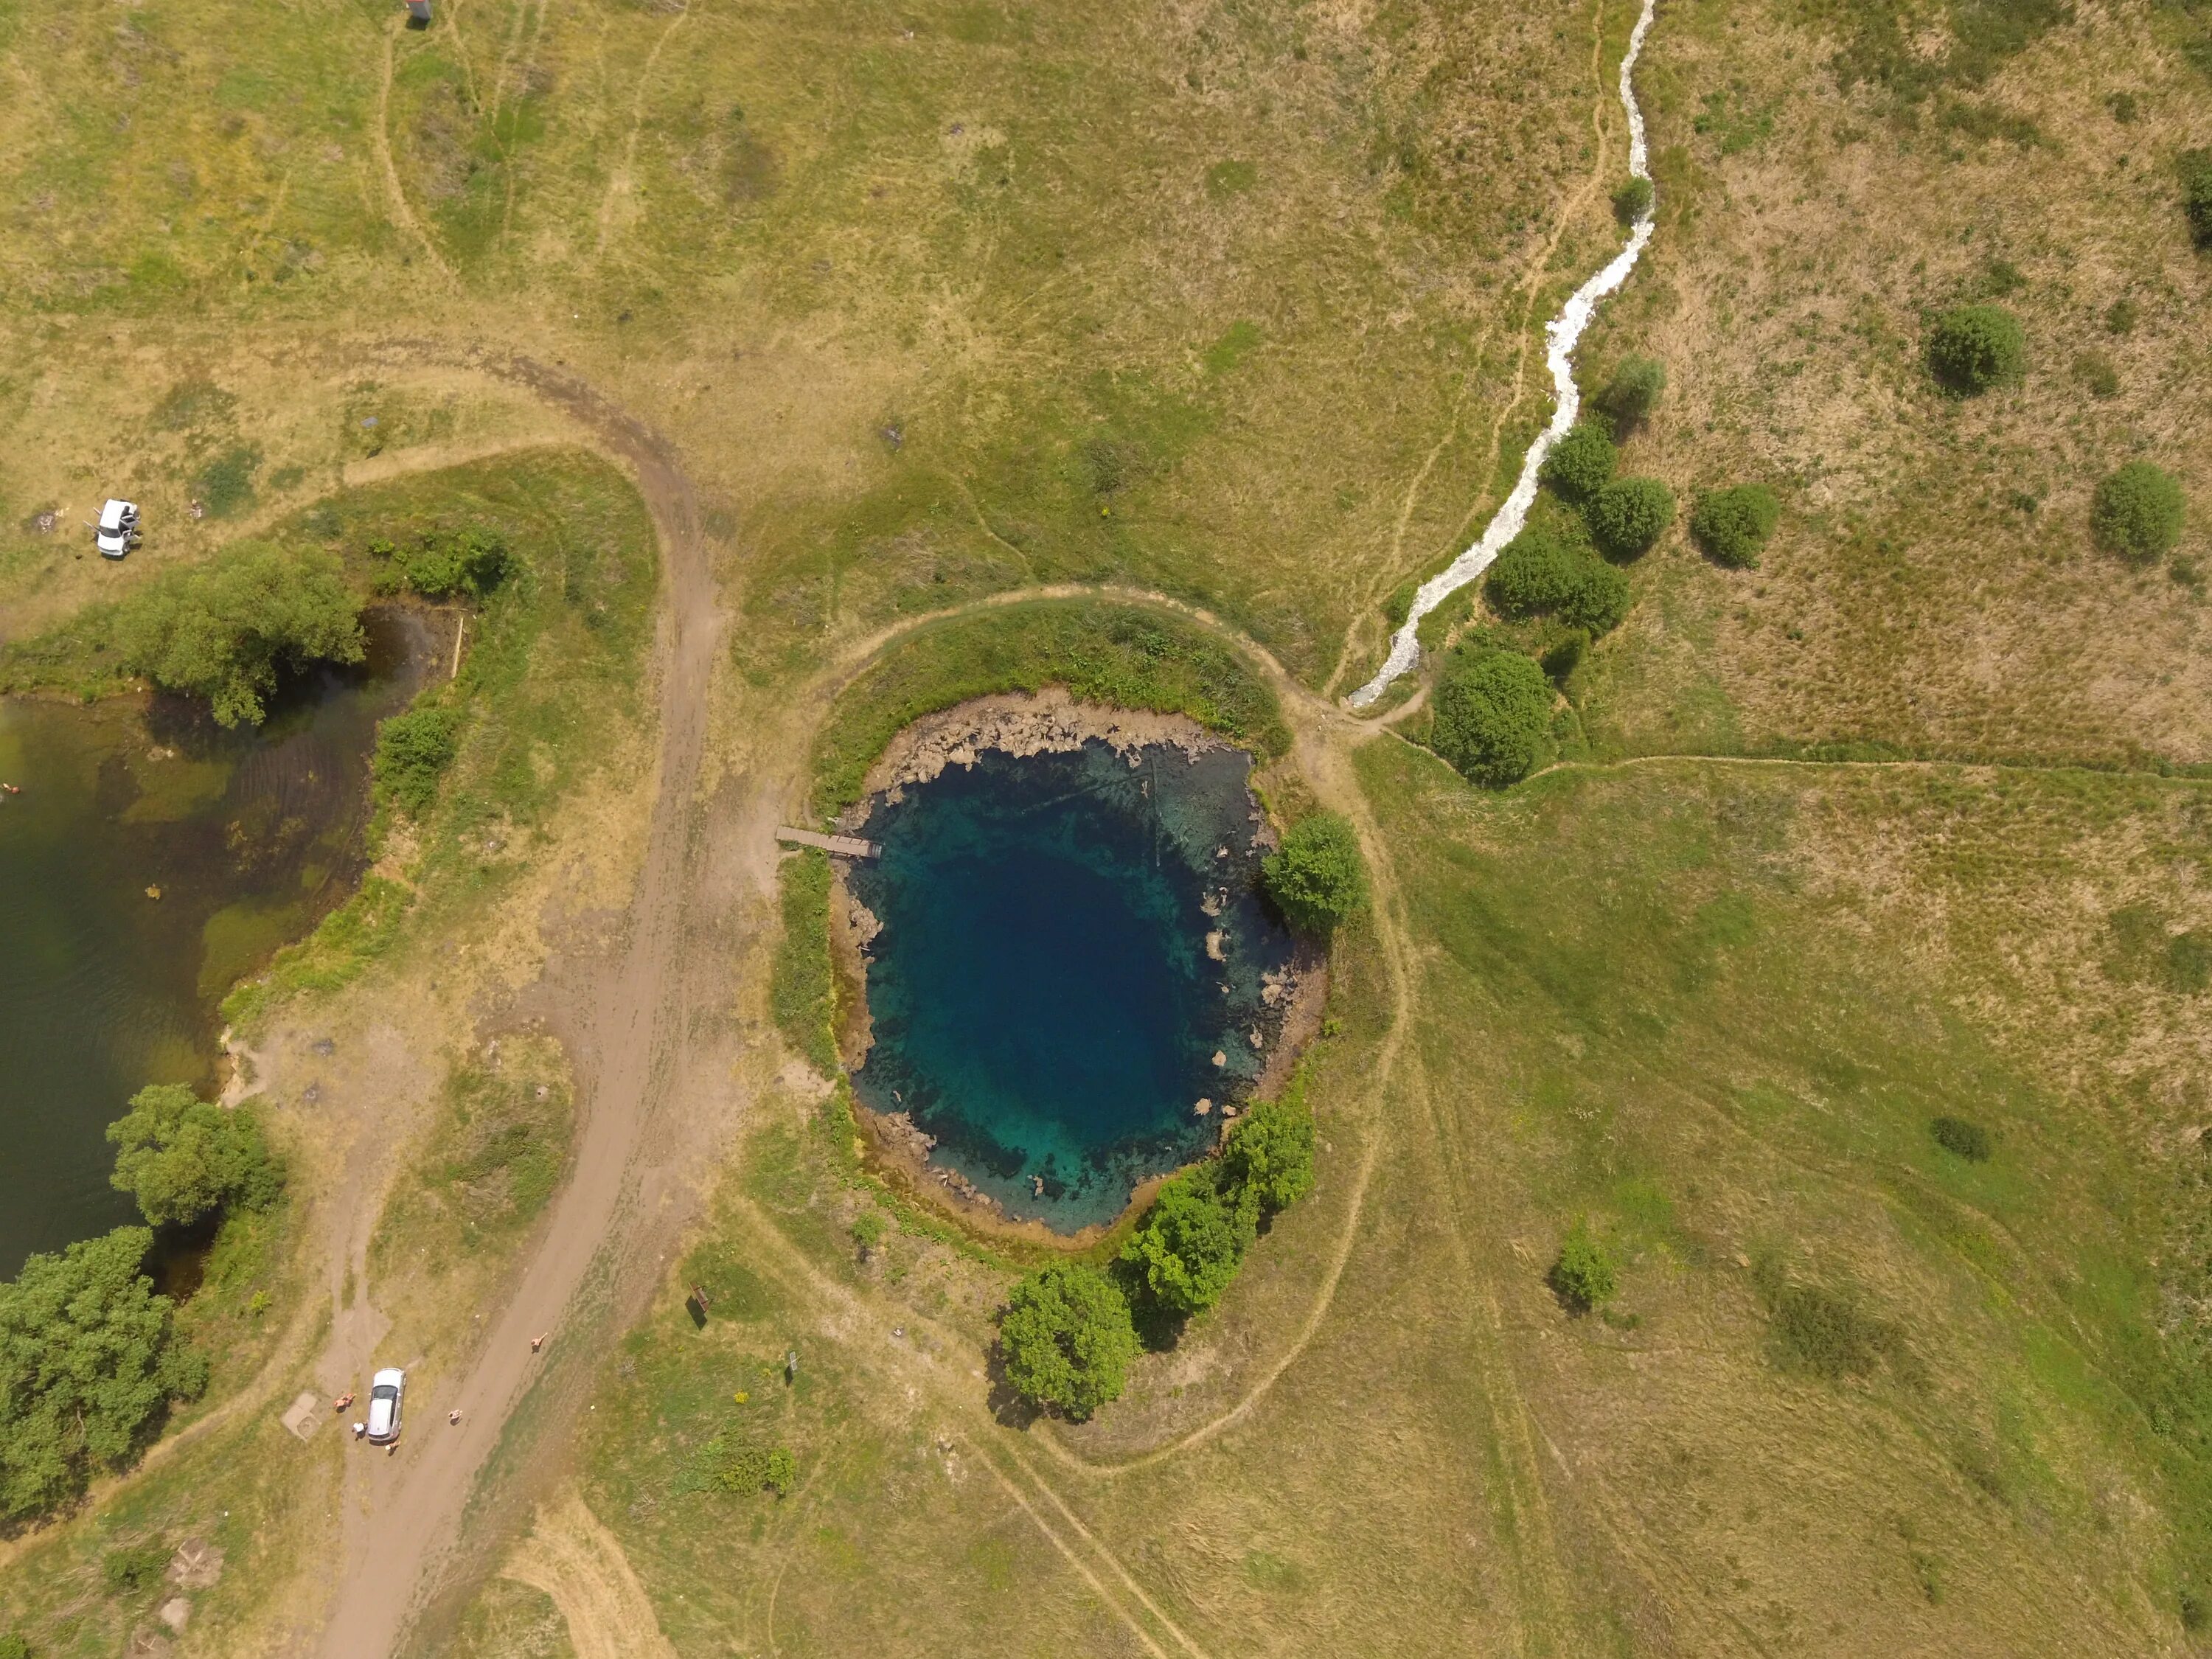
column 1119, row 654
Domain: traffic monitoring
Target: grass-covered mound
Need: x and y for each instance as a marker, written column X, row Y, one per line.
column 1129, row 656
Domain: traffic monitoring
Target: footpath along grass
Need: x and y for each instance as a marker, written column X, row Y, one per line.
column 1713, row 1013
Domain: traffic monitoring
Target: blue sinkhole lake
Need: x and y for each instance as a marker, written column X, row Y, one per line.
column 1066, row 942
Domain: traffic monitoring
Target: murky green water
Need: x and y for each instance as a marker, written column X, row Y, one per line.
column 249, row 837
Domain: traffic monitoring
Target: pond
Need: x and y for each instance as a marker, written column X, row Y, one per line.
column 1072, row 955
column 248, row 837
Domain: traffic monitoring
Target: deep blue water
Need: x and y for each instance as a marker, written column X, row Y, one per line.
column 1042, row 998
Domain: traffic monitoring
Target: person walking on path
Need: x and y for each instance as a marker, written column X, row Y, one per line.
column 359, row 1429
column 455, row 1415
column 537, row 1342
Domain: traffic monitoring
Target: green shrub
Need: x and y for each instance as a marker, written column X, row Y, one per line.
column 222, row 630
column 2196, row 194
column 413, row 751
column 1633, row 200
column 1565, row 655
column 473, row 561
column 2137, row 512
column 1493, row 715
column 1270, row 1152
column 1633, row 391
column 1540, row 575
column 1733, row 524
column 2121, row 316
column 1192, row 1239
column 185, row 1158
column 869, row 1229
column 1974, row 347
column 1067, row 1338
column 225, row 485
column 733, row 1461
column 1318, row 877
column 1398, row 605
column 1961, row 1138
column 89, row 1360
column 14, row 1645
column 1584, row 1277
column 1580, row 465
column 1826, row 1333
column 1628, row 515
column 2097, row 372
column 134, row 1569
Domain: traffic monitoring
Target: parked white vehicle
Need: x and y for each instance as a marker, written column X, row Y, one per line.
column 384, row 1391
column 117, row 532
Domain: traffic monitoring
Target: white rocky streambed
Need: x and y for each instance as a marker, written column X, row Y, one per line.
column 1561, row 333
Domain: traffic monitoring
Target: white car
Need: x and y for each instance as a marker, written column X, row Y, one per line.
column 118, row 529
column 384, row 1393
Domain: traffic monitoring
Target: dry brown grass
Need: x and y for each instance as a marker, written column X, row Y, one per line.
column 1915, row 597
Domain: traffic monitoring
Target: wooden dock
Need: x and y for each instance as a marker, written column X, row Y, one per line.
column 849, row 847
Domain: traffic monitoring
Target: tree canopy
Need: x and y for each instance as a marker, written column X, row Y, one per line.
column 1628, row 515
column 1580, row 464
column 88, row 1361
column 185, row 1158
column 1191, row 1240
column 1732, row 525
column 1067, row 1338
column 1317, row 877
column 1584, row 1277
column 1493, row 715
column 1975, row 348
column 1270, row 1152
column 1539, row 574
column 1633, row 391
column 222, row 630
column 2137, row 512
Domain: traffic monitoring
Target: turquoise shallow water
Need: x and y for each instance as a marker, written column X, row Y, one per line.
column 250, row 836
column 1042, row 997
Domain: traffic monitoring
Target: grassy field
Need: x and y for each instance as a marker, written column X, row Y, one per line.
column 946, row 300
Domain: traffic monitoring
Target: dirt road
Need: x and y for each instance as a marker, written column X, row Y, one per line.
column 403, row 1513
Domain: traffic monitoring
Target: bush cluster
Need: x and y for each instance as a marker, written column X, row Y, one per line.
column 2137, row 512
column 1317, row 877
column 1733, row 525
column 1633, row 391
column 1580, row 465
column 471, row 562
column 1068, row 1331
column 1961, row 1138
column 1632, row 201
column 1584, row 1276
column 1974, row 349
column 1493, row 715
column 413, row 751
column 2196, row 194
column 1628, row 515
column 222, row 630
column 1538, row 574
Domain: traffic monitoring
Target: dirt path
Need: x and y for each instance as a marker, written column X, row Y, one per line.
column 402, row 1514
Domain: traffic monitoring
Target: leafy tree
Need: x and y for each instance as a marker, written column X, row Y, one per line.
column 1317, row 877
column 88, row 1359
column 1961, row 1138
column 473, row 561
column 1067, row 1338
column 1732, row 525
column 1584, row 1277
column 1628, row 515
column 1580, row 464
column 1493, row 715
column 2137, row 512
column 1191, row 1240
column 1633, row 200
column 222, row 630
column 185, row 1158
column 1270, row 1152
column 869, row 1229
column 1975, row 348
column 1540, row 575
column 1633, row 391
column 413, row 751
